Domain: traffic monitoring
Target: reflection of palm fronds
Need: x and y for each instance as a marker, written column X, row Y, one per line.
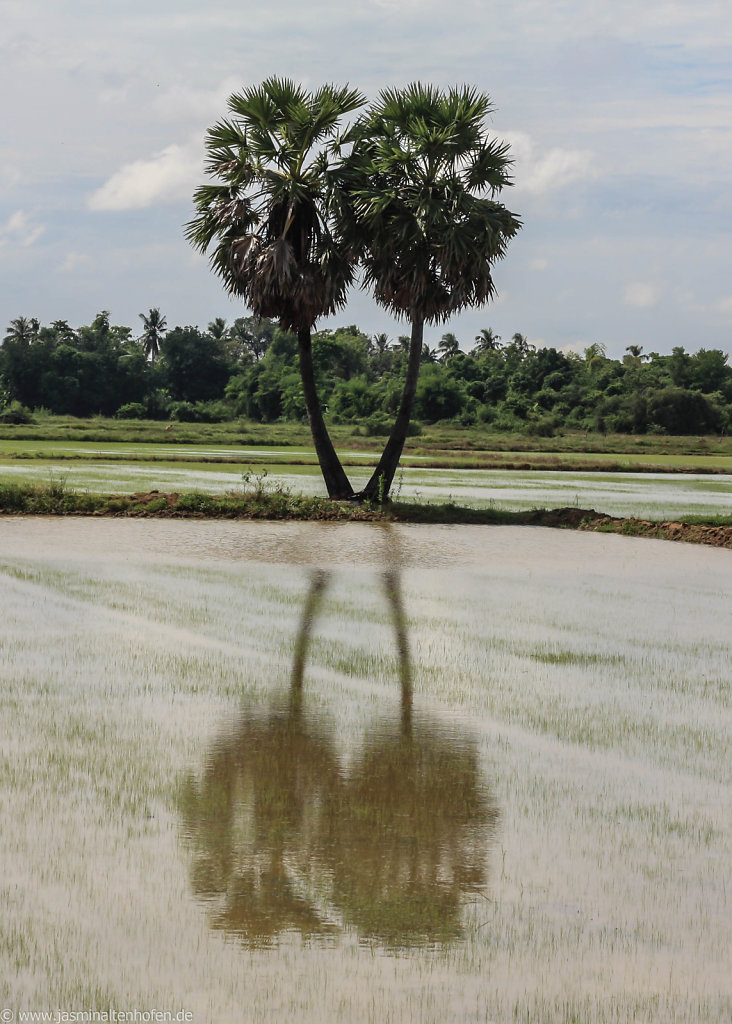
column 283, row 840
column 257, row 791
column 410, row 831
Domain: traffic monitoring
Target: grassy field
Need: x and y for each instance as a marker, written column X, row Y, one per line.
column 441, row 445
column 656, row 478
column 568, row 748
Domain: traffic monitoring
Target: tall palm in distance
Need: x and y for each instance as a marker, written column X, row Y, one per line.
column 154, row 330
column 380, row 342
column 63, row 331
column 521, row 343
column 486, row 341
column 218, row 328
column 266, row 222
column 23, row 330
column 635, row 357
column 416, row 206
column 448, row 346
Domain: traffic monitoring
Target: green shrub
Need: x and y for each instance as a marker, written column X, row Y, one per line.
column 215, row 411
column 542, row 426
column 377, row 425
column 132, row 411
column 183, row 412
column 507, row 423
column 16, row 413
column 13, row 498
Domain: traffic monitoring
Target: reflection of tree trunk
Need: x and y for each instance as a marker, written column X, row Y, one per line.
column 313, row 601
column 378, row 487
column 335, row 478
column 318, row 584
column 392, row 585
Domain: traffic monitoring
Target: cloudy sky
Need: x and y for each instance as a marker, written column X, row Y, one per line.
column 619, row 115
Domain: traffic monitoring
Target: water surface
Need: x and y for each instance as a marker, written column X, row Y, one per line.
column 645, row 495
column 495, row 788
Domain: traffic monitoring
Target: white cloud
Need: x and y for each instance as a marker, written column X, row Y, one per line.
column 10, row 176
column 539, row 264
column 72, row 261
column 540, row 172
column 559, row 167
column 182, row 102
column 20, row 230
column 576, row 348
column 167, row 177
column 641, row 295
column 402, row 5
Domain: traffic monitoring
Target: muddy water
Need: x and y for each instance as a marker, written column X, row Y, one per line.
column 268, row 772
column 644, row 495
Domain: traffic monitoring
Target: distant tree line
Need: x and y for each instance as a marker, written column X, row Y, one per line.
column 250, row 369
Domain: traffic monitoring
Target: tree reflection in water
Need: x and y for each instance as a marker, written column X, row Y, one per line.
column 284, row 839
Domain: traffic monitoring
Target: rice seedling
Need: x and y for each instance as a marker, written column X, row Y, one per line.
column 645, row 495
column 545, row 839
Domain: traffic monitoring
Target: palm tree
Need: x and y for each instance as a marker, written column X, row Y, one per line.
column 486, row 341
column 266, row 221
column 155, row 326
column 521, row 344
column 380, row 343
column 23, row 330
column 594, row 356
column 416, row 204
column 218, row 328
column 635, row 356
column 448, row 346
column 65, row 334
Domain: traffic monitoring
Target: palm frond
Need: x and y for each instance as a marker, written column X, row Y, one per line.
column 264, row 222
column 410, row 200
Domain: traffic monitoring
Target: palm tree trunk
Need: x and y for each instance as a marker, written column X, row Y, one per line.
column 335, row 478
column 378, row 487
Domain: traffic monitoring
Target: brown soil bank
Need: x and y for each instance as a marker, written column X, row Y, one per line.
column 719, row 536
column 56, row 500
column 588, row 519
column 694, row 533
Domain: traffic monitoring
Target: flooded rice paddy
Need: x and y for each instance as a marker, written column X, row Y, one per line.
column 644, row 495
column 272, row 772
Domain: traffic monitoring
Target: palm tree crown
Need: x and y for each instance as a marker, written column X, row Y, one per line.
column 154, row 326
column 419, row 204
column 415, row 204
column 265, row 219
column 448, row 346
column 22, row 329
column 486, row 341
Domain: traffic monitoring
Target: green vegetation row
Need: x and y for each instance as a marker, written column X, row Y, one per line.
column 262, row 501
column 248, row 370
column 440, row 440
